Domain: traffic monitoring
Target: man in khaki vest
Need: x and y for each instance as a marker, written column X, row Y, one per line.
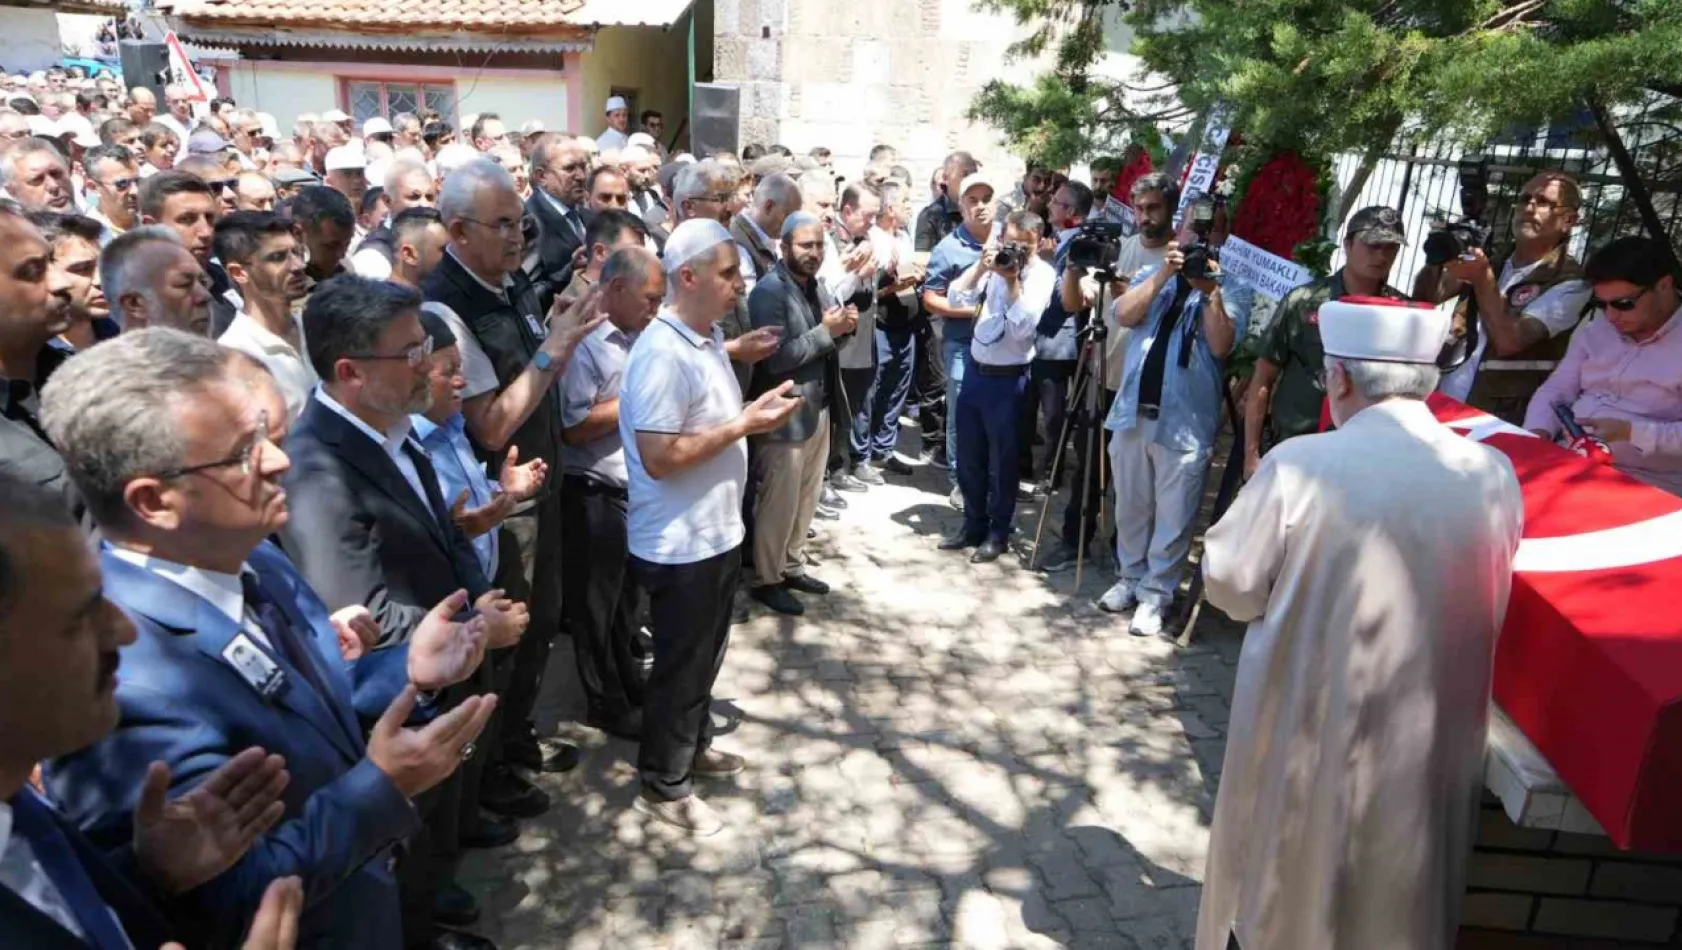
column 1526, row 305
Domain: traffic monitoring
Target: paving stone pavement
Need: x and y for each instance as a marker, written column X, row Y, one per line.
column 941, row 755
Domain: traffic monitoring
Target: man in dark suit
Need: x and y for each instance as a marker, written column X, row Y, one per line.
column 560, row 168
column 372, row 527
column 169, row 438
column 789, row 461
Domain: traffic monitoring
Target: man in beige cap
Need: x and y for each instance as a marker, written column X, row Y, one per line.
column 1374, row 564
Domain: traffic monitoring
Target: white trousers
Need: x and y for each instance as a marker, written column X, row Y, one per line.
column 1158, row 491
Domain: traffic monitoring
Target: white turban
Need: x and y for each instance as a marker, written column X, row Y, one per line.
column 691, row 239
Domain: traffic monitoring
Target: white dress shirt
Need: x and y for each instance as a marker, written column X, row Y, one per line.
column 220, row 590
column 1004, row 330
column 612, row 138
column 391, row 443
column 288, row 365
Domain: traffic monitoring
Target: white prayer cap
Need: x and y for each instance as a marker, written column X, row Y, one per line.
column 345, row 158
column 690, row 240
column 799, row 219
column 335, row 115
column 376, row 172
column 376, row 126
column 615, row 103
column 1382, row 330
column 976, row 180
column 532, row 127
column 641, row 138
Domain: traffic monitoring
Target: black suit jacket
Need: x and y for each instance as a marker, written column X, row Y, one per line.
column 556, row 241
column 26, row 928
column 359, row 533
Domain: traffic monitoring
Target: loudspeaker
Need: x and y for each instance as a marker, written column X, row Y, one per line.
column 715, row 120
column 146, row 64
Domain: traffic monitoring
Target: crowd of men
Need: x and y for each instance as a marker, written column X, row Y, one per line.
column 363, row 418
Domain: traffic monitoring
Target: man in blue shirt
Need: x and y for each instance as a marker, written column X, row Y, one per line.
column 952, row 256
column 1165, row 417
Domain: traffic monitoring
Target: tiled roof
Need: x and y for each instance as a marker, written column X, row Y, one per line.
column 382, row 15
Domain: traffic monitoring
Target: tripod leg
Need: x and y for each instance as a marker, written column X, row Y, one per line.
column 1056, row 462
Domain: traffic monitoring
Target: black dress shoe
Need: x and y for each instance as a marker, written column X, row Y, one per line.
column 739, row 612
column 779, row 600
column 623, row 725
column 805, row 584
column 957, row 542
column 506, row 793
column 521, row 749
column 989, row 551
column 490, row 831
column 452, row 906
column 893, row 466
column 460, row 940
column 563, row 757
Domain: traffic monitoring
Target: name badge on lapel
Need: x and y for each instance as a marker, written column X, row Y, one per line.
column 253, row 665
column 537, row 328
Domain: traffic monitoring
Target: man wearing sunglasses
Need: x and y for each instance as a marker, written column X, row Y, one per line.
column 113, row 186
column 1622, row 373
column 1515, row 315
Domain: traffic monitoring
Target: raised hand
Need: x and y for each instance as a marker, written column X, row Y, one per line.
column 444, row 651
column 357, row 629
column 417, row 759
column 522, row 481
column 476, row 521
column 573, row 322
column 755, row 345
column 183, row 842
column 505, row 619
column 838, row 320
column 770, row 410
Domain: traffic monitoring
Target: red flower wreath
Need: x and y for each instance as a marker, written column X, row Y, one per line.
column 1281, row 208
column 1138, row 166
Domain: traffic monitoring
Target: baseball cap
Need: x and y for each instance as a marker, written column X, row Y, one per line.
column 206, row 142
column 974, row 180
column 79, row 129
column 42, row 127
column 344, row 158
column 1376, row 225
column 377, row 126
column 294, row 176
column 532, row 127
column 334, row 115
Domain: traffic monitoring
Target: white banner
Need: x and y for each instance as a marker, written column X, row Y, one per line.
column 1117, row 211
column 1200, row 179
column 1270, row 275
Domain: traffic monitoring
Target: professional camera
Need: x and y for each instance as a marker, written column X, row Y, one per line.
column 1096, row 247
column 1199, row 252
column 1010, row 257
column 1455, row 239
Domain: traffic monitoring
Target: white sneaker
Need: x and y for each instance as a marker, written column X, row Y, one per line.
column 690, row 813
column 1117, row 599
column 1147, row 621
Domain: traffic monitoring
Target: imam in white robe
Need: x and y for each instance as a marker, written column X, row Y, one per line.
column 1374, row 564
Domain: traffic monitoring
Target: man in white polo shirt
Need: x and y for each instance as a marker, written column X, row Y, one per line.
column 683, row 427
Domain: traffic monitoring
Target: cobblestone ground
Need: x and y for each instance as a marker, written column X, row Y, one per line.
column 940, row 754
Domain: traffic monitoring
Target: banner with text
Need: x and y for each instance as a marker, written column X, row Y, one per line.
column 1270, row 275
column 1200, row 174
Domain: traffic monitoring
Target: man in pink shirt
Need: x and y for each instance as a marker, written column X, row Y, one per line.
column 1622, row 375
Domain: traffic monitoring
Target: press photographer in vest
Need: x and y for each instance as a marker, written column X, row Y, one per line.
column 1525, row 304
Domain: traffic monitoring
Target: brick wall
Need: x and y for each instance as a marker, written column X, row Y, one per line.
column 1532, row 889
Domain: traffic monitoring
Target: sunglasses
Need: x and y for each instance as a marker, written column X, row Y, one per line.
column 223, row 184
column 1622, row 304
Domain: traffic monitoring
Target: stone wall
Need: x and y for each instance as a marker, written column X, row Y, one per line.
column 850, row 76
column 1531, row 889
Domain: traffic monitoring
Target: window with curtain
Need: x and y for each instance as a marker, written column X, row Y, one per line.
column 369, row 98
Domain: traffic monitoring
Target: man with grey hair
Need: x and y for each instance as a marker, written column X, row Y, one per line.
column 168, row 437
column 150, row 279
column 774, row 199
column 703, row 190
column 1374, row 565
column 33, row 173
column 405, row 131
column 683, row 426
column 407, row 185
column 511, row 405
column 558, row 203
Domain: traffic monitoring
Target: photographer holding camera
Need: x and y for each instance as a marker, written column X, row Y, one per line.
column 1185, row 319
column 1514, row 327
column 1014, row 292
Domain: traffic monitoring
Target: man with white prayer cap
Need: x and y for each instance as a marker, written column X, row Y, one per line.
column 683, row 428
column 1374, row 565
column 617, row 135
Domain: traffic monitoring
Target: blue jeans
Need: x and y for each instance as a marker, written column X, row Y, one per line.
column 896, row 351
column 955, row 357
column 988, row 437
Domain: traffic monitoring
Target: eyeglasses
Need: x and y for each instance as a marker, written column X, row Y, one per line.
column 714, row 199
column 1622, row 304
column 245, row 458
column 505, row 228
column 223, row 184
column 416, row 356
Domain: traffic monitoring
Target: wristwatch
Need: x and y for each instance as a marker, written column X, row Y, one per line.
column 543, row 361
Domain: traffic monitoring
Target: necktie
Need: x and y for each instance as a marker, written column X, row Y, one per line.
column 573, row 223
column 429, row 483
column 35, row 821
column 277, row 626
